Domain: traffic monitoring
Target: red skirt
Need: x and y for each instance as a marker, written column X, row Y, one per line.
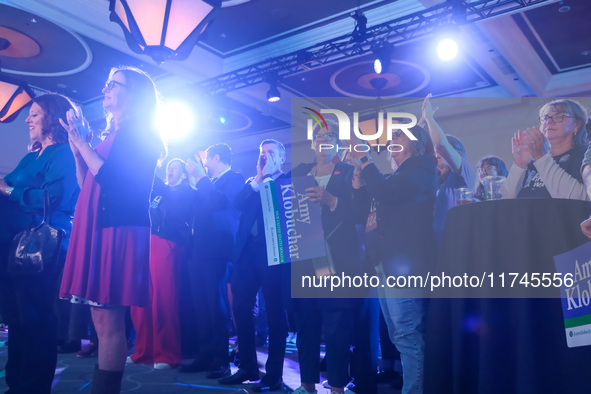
column 107, row 266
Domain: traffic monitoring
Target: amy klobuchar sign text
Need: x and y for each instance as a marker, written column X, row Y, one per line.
column 293, row 228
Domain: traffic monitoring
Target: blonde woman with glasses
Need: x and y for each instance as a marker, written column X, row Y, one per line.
column 547, row 160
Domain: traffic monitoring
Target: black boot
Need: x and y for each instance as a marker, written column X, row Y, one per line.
column 106, row 382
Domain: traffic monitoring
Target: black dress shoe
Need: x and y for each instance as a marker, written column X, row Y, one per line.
column 240, row 377
column 268, row 384
column 195, row 366
column 219, row 372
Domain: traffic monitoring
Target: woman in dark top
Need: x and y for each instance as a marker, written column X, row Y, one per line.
column 27, row 301
column 547, row 161
column 337, row 317
column 157, row 326
column 108, row 263
column 403, row 241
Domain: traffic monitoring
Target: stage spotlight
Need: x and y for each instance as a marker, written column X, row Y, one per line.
column 222, row 120
column 447, row 42
column 381, row 63
column 273, row 94
column 447, row 49
column 377, row 66
column 175, row 120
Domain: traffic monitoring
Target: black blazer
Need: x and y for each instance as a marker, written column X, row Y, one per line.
column 170, row 211
column 404, row 238
column 216, row 220
column 339, row 226
column 126, row 178
column 248, row 202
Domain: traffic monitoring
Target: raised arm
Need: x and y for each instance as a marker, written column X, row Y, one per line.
column 521, row 157
column 438, row 137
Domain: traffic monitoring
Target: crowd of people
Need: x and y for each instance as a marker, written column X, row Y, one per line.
column 133, row 234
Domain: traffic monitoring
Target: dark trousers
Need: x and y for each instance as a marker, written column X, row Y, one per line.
column 364, row 362
column 62, row 310
column 311, row 315
column 208, row 281
column 260, row 319
column 250, row 273
column 27, row 306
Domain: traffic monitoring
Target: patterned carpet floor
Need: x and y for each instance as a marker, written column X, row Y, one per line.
column 74, row 375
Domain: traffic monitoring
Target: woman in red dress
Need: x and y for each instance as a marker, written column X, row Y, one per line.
column 108, row 263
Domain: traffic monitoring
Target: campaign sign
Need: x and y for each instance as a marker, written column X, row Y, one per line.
column 293, row 227
column 575, row 297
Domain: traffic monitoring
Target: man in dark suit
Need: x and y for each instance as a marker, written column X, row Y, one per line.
column 215, row 225
column 252, row 272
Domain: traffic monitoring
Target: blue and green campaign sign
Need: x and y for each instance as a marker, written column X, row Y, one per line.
column 293, row 228
column 576, row 294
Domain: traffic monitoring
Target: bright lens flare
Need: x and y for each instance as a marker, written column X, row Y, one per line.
column 175, row 120
column 377, row 66
column 447, row 49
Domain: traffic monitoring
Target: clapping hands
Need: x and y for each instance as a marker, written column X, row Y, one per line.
column 527, row 145
column 77, row 128
column 195, row 169
column 536, row 142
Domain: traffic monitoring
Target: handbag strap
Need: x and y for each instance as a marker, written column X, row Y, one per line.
column 46, row 207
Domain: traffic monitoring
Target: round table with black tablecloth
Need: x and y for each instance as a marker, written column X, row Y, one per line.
column 506, row 345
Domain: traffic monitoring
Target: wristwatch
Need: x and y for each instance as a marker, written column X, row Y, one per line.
column 364, row 159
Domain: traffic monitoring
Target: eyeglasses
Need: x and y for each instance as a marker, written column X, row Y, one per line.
column 326, row 137
column 397, row 134
column 111, row 84
column 555, row 118
column 486, row 169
